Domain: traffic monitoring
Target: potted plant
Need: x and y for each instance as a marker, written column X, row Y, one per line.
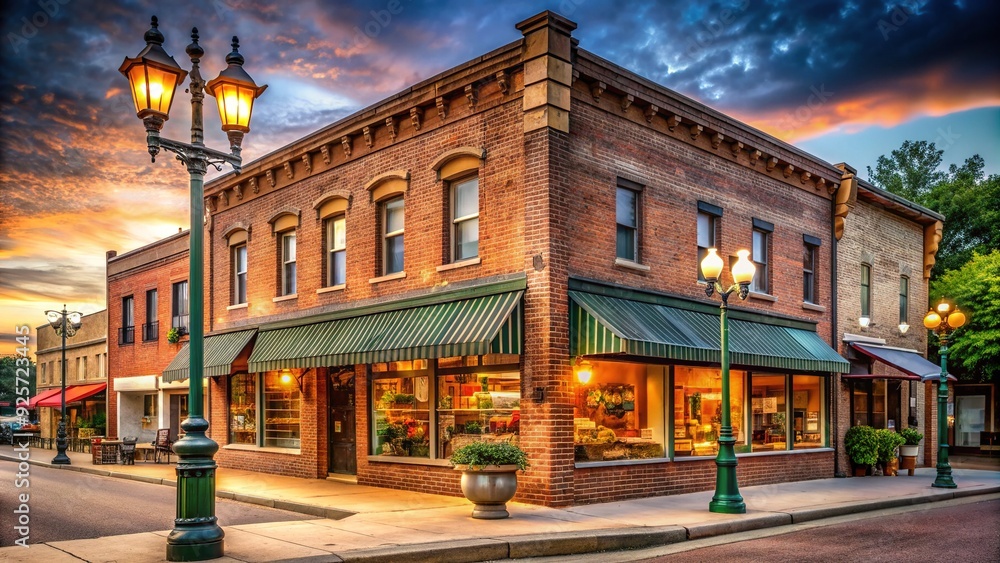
column 908, row 451
column 862, row 447
column 489, row 475
column 85, row 428
column 174, row 334
column 888, row 441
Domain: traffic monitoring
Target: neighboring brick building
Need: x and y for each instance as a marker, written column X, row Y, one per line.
column 147, row 296
column 86, row 374
column 438, row 268
column 885, row 253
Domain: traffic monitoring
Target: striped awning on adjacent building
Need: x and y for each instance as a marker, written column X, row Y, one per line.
column 220, row 351
column 601, row 324
column 489, row 324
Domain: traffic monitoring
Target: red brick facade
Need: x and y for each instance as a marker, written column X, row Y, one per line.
column 557, row 127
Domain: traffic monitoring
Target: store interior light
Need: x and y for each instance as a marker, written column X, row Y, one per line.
column 584, row 370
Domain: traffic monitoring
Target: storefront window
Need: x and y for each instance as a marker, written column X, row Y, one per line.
column 401, row 410
column 698, row 410
column 770, row 428
column 243, row 409
column 282, row 406
column 619, row 413
column 477, row 407
column 807, row 412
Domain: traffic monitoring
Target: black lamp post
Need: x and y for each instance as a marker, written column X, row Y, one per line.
column 943, row 322
column 65, row 323
column 727, row 497
column 153, row 75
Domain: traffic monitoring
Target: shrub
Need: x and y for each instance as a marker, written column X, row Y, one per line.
column 861, row 445
column 911, row 436
column 888, row 441
column 480, row 454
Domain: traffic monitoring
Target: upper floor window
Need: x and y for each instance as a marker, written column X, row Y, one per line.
column 150, row 328
column 627, row 220
column 288, row 286
column 810, row 250
column 708, row 231
column 336, row 251
column 761, row 256
column 179, row 306
column 465, row 219
column 904, row 300
column 239, row 262
column 866, row 291
column 126, row 334
column 392, row 236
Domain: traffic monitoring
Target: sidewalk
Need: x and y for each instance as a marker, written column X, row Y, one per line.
column 359, row 523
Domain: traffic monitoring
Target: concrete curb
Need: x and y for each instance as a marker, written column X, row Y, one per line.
column 745, row 524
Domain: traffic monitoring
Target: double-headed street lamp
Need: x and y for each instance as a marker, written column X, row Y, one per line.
column 943, row 322
column 727, row 497
column 153, row 76
column 65, row 323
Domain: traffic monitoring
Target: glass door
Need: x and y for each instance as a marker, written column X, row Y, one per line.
column 970, row 420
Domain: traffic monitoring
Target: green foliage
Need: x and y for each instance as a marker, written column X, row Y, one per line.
column 910, row 171
column 974, row 349
column 480, row 454
column 861, row 445
column 173, row 335
column 473, row 427
column 888, row 441
column 99, row 420
column 8, row 379
column 911, row 436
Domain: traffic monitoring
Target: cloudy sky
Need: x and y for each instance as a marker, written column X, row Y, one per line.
column 847, row 81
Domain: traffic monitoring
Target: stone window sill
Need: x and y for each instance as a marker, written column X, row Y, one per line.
column 240, row 306
column 396, row 276
column 460, row 264
column 631, row 265
column 285, row 298
column 763, row 296
column 813, row 307
column 332, row 288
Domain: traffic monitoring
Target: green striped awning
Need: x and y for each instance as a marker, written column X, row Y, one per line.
column 482, row 325
column 220, row 351
column 600, row 324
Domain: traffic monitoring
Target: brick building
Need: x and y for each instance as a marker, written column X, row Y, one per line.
column 440, row 267
column 885, row 254
column 86, row 374
column 147, row 297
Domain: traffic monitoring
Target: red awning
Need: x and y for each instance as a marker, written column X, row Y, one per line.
column 42, row 396
column 74, row 393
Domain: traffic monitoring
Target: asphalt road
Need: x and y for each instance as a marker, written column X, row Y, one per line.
column 67, row 505
column 966, row 530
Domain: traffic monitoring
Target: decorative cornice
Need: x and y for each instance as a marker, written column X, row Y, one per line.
column 390, row 125
column 441, row 107
column 288, row 170
column 367, row 132
column 307, row 162
column 324, row 149
column 503, row 82
column 415, row 118
column 345, row 141
column 470, row 94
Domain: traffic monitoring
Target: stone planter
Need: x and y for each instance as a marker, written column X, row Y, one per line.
column 489, row 488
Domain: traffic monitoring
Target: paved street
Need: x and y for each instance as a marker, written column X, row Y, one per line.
column 68, row 505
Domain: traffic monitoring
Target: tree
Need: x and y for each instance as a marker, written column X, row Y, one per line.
column 9, row 383
column 910, row 171
column 975, row 288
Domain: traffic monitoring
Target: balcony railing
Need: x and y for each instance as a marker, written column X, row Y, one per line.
column 126, row 335
column 150, row 331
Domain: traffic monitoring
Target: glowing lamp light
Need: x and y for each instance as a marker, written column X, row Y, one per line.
column 235, row 92
column 864, row 321
column 286, row 376
column 903, row 327
column 711, row 265
column 932, row 320
column 956, row 319
column 584, row 371
column 743, row 269
column 153, row 75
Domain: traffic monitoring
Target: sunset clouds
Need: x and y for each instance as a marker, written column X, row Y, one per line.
column 76, row 180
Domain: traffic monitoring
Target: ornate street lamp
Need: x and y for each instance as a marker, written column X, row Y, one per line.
column 943, row 322
column 727, row 497
column 65, row 323
column 153, row 76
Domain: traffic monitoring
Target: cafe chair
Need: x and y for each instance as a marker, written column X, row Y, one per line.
column 162, row 444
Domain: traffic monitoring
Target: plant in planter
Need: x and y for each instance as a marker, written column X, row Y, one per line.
column 489, row 475
column 908, row 451
column 174, row 334
column 888, row 441
column 861, row 446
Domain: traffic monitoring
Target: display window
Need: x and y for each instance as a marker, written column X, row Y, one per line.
column 243, row 409
column 618, row 412
column 767, row 399
column 807, row 412
column 428, row 409
column 697, row 404
column 278, row 424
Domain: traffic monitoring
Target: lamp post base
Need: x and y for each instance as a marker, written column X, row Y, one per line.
column 197, row 535
column 61, row 457
column 727, row 499
column 944, row 480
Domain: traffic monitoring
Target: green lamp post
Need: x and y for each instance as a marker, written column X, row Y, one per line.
column 727, row 497
column 153, row 76
column 65, row 323
column 943, row 322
